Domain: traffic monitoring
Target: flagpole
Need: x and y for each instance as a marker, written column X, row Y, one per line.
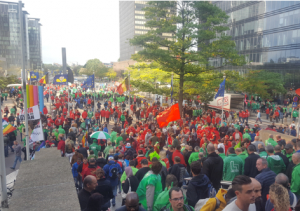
column 128, row 91
column 26, row 115
column 94, row 94
column 172, row 88
column 224, row 77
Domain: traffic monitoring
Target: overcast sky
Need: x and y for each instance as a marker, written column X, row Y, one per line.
column 88, row 29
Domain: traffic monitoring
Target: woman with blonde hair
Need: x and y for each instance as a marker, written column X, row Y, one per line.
column 69, row 149
column 279, row 197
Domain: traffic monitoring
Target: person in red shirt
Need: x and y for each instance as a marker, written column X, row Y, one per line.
column 177, row 153
column 65, row 111
column 89, row 102
column 97, row 116
column 45, row 110
column 102, row 113
column 61, row 147
column 58, row 121
column 49, row 121
column 91, row 169
column 107, row 114
column 139, row 158
column 227, row 144
column 84, row 114
column 267, row 112
column 237, row 136
column 52, row 99
column 57, row 104
column 164, row 158
column 244, row 115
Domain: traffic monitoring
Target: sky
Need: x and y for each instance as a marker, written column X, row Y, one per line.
column 87, row 29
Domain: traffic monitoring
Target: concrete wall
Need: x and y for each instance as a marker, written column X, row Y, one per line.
column 45, row 183
column 264, row 135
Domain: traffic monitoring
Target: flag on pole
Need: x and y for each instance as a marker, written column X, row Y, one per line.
column 123, row 87
column 34, row 76
column 221, row 90
column 44, row 79
column 169, row 115
column 89, row 82
column 7, row 128
column 60, row 79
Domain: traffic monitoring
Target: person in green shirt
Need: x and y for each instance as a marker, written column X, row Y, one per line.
column 113, row 137
column 107, row 148
column 288, row 151
column 90, row 114
column 119, row 138
column 195, row 155
column 295, row 114
column 270, row 141
column 295, row 185
column 221, row 153
column 275, row 162
column 13, row 111
column 150, row 186
column 134, row 170
column 241, row 154
column 61, row 130
column 95, row 147
column 233, row 165
column 176, row 199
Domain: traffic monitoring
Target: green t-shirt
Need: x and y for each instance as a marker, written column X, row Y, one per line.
column 149, row 179
column 113, row 136
column 118, row 140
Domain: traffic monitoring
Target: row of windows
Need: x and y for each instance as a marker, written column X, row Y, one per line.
column 167, row 34
column 140, row 2
column 140, row 32
column 142, row 27
column 139, row 12
column 269, row 40
column 140, row 22
column 280, row 20
column 139, row 17
column 276, row 57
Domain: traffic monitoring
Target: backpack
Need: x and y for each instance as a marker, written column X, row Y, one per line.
column 211, row 191
column 113, row 170
column 202, row 202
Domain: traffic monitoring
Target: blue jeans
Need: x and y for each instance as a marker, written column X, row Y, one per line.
column 267, row 116
column 6, row 151
column 115, row 188
column 16, row 160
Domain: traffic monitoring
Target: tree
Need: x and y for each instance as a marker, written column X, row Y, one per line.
column 197, row 35
column 94, row 65
column 10, row 79
column 76, row 69
column 264, row 83
column 111, row 73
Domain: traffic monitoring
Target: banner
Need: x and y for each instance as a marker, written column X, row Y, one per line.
column 33, row 113
column 34, row 76
column 60, row 79
column 37, row 133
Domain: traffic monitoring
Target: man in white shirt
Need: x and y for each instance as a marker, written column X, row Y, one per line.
column 244, row 190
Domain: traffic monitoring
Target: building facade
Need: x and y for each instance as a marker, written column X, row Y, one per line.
column 268, row 34
column 35, row 43
column 132, row 22
column 10, row 37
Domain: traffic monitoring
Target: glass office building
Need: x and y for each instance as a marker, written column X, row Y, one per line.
column 10, row 37
column 268, row 34
column 132, row 22
column 35, row 44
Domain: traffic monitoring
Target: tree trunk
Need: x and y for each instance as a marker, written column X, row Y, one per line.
column 180, row 100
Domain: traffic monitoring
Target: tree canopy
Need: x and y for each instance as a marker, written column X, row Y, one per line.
column 196, row 36
column 94, row 65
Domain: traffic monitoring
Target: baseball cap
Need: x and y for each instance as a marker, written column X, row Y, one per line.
column 128, row 145
column 110, row 158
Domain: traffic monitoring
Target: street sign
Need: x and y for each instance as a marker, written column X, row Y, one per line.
column 295, row 99
column 295, row 104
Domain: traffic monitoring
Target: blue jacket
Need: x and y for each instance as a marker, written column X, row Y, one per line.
column 252, row 136
column 74, row 170
column 113, row 182
column 266, row 179
column 105, row 130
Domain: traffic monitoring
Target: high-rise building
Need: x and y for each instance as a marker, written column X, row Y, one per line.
column 268, row 34
column 10, row 37
column 132, row 22
column 35, row 43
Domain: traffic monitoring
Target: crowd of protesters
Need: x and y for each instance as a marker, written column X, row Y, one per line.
column 199, row 162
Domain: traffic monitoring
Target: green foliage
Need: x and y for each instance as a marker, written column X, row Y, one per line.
column 76, row 69
column 261, row 82
column 188, row 51
column 94, row 65
column 10, row 79
column 111, row 73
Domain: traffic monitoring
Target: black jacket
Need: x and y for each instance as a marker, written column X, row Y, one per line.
column 250, row 169
column 213, row 168
column 141, row 173
column 101, row 162
column 178, row 171
column 289, row 170
column 134, row 183
column 83, row 151
column 197, row 189
column 284, row 158
column 83, row 197
column 105, row 189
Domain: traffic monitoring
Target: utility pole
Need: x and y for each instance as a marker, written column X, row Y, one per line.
column 128, row 91
column 224, row 77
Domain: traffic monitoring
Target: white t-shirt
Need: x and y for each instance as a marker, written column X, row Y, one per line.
column 233, row 207
column 221, row 145
column 237, row 136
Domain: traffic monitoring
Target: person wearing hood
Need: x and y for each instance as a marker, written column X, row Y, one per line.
column 275, row 162
column 91, row 169
column 95, row 147
column 213, row 167
column 107, row 148
column 270, row 141
column 262, row 152
column 178, row 169
column 61, row 130
column 233, row 165
column 198, row 186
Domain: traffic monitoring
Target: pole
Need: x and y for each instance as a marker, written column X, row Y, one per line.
column 298, row 123
column 68, row 98
column 4, row 202
column 94, row 94
column 129, row 91
column 223, row 100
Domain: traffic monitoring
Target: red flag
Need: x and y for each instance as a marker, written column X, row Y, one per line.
column 169, row 115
